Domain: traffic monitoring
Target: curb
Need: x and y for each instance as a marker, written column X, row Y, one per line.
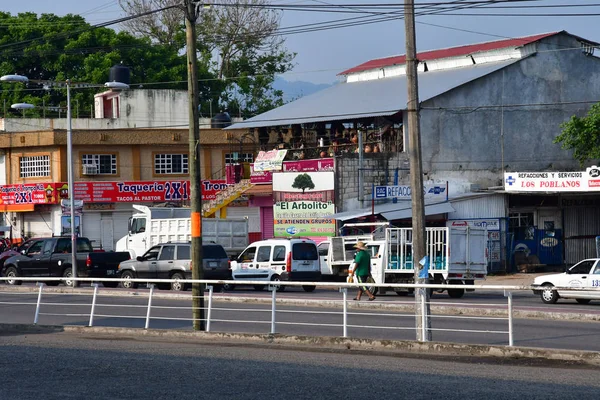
column 500, row 311
column 335, row 344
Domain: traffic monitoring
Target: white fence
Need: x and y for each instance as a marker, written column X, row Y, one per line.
column 276, row 311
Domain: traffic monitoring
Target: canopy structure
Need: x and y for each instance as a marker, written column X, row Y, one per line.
column 370, row 98
column 393, row 211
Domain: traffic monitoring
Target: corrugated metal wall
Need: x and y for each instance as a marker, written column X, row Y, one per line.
column 582, row 225
column 492, row 206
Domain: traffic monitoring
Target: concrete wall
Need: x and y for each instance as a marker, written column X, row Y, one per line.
column 478, row 143
column 469, row 144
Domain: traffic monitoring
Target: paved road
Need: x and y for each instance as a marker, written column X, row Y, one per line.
column 116, row 311
column 62, row 366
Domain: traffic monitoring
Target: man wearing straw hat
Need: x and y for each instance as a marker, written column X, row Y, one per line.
column 362, row 270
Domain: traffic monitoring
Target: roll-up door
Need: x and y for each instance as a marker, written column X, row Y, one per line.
column 253, row 214
column 267, row 224
column 91, row 228
column 37, row 224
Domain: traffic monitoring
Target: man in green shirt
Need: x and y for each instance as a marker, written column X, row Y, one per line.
column 362, row 270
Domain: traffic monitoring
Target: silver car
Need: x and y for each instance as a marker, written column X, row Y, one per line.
column 172, row 261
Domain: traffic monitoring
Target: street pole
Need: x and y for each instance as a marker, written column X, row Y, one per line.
column 70, row 183
column 416, row 171
column 195, row 172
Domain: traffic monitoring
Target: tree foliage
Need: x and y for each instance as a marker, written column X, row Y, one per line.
column 582, row 135
column 237, row 43
column 56, row 48
column 303, row 182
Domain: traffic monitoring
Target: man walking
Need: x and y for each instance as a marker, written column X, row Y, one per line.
column 362, row 270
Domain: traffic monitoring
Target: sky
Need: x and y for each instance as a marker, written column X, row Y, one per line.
column 323, row 54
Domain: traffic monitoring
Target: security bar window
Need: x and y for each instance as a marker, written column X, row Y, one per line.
column 233, row 158
column 34, row 166
column 171, row 164
column 106, row 163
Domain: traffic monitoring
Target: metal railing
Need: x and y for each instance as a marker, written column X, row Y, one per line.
column 350, row 312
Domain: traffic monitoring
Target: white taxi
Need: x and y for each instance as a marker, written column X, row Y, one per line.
column 584, row 277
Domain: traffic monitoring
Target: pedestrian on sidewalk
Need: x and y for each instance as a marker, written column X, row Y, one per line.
column 361, row 268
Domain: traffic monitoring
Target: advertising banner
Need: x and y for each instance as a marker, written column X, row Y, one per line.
column 320, row 164
column 302, row 202
column 492, row 224
column 107, row 192
column 29, row 193
column 269, row 160
column 432, row 192
column 260, row 177
column 583, row 181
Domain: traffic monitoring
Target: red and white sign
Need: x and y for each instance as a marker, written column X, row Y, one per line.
column 578, row 181
column 107, row 192
column 317, row 165
column 30, row 193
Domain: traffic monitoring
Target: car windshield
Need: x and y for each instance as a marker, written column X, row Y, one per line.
column 213, row 252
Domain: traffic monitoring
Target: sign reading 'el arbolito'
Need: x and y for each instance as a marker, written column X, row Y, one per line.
column 578, row 181
column 403, row 192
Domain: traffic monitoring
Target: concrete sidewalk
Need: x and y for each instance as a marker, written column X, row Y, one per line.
column 518, row 279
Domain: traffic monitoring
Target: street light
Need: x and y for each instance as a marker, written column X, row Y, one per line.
column 70, row 178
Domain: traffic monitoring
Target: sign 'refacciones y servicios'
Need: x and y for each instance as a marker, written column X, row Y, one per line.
column 577, row 181
column 403, row 192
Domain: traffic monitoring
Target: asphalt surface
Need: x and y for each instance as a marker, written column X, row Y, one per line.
column 59, row 365
column 251, row 317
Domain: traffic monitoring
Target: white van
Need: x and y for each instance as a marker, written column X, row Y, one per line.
column 279, row 260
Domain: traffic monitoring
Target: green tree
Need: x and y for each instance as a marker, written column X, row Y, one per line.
column 56, row 48
column 582, row 135
column 303, row 182
column 238, row 42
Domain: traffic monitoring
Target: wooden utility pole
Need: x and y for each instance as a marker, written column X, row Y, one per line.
column 194, row 165
column 416, row 171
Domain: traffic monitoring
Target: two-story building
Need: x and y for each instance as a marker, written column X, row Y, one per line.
column 134, row 151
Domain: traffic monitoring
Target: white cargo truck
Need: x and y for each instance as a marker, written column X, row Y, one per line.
column 457, row 256
column 154, row 225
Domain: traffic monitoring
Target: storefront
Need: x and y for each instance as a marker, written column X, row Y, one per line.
column 554, row 216
column 102, row 208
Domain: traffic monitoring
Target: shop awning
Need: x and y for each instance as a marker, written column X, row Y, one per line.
column 372, row 98
column 431, row 209
column 391, row 211
column 17, row 207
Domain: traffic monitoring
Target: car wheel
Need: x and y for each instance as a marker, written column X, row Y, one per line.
column 277, row 278
column 127, row 282
column 456, row 293
column 548, row 294
column 309, row 288
column 227, row 287
column 11, row 272
column 178, row 285
column 68, row 275
column 583, row 301
column 258, row 288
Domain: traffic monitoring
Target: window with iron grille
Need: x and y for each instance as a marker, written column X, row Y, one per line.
column 106, row 163
column 171, row 164
column 34, row 166
column 232, row 158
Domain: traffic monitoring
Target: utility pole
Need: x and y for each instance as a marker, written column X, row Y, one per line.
column 423, row 322
column 194, row 163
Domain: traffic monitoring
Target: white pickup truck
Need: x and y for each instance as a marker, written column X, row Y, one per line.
column 392, row 257
column 152, row 226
